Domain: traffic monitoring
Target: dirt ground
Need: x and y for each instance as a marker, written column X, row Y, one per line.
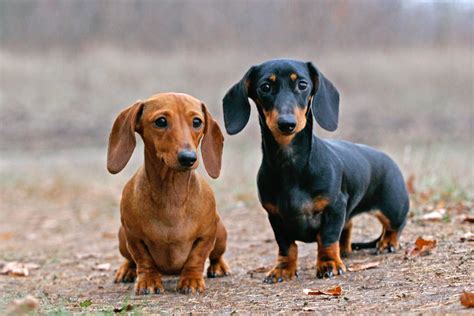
column 61, row 213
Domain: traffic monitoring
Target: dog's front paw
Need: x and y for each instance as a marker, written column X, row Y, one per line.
column 219, row 268
column 126, row 273
column 278, row 274
column 329, row 267
column 188, row 285
column 149, row 283
column 329, row 261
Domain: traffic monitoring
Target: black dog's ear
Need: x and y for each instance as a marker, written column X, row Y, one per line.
column 325, row 104
column 236, row 105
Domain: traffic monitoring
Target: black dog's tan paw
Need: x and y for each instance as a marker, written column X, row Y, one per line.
column 346, row 250
column 149, row 283
column 385, row 249
column 218, row 269
column 278, row 274
column 330, row 268
column 125, row 273
column 188, row 285
column 388, row 243
column 329, row 261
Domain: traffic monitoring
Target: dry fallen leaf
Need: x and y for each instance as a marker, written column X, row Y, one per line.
column 102, row 267
column 127, row 308
column 468, row 219
column 23, row 306
column 440, row 204
column 17, row 268
column 436, row 215
column 424, row 197
column 422, row 247
column 363, row 266
column 467, row 299
column 6, row 235
column 337, row 291
column 411, row 184
column 467, row 237
column 259, row 270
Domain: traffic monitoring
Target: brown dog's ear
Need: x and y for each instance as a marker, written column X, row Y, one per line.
column 122, row 137
column 212, row 145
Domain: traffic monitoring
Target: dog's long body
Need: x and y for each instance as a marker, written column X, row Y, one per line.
column 168, row 212
column 310, row 187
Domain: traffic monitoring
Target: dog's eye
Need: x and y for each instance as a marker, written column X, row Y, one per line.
column 197, row 123
column 265, row 87
column 161, row 122
column 302, row 85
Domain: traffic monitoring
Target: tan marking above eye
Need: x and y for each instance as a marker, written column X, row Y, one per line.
column 320, row 203
column 273, row 78
column 293, row 76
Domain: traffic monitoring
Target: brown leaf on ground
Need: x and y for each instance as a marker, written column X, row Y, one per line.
column 259, row 270
column 102, row 267
column 6, row 235
column 122, row 309
column 422, row 247
column 336, row 291
column 458, row 207
column 441, row 204
column 17, row 268
column 424, row 197
column 436, row 215
column 467, row 299
column 411, row 184
column 468, row 219
column 23, row 306
column 363, row 266
column 467, row 237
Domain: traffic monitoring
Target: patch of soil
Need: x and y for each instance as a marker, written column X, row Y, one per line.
column 69, row 230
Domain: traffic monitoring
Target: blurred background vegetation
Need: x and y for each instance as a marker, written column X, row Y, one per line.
column 404, row 70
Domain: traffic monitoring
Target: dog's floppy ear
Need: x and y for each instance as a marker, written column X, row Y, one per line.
column 325, row 104
column 212, row 144
column 122, row 137
column 236, row 105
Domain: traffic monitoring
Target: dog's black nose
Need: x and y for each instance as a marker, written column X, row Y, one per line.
column 187, row 158
column 286, row 123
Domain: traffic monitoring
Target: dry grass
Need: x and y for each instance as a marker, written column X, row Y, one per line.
column 388, row 97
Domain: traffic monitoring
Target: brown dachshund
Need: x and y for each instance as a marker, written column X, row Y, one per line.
column 169, row 220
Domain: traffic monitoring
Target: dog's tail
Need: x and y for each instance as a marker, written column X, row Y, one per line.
column 366, row 245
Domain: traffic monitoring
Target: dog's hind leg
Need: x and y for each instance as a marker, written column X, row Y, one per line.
column 345, row 240
column 218, row 267
column 127, row 272
column 393, row 210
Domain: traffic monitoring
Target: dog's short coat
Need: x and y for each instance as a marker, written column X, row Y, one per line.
column 168, row 212
column 310, row 187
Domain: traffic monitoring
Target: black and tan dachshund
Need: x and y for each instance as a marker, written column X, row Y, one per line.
column 311, row 187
